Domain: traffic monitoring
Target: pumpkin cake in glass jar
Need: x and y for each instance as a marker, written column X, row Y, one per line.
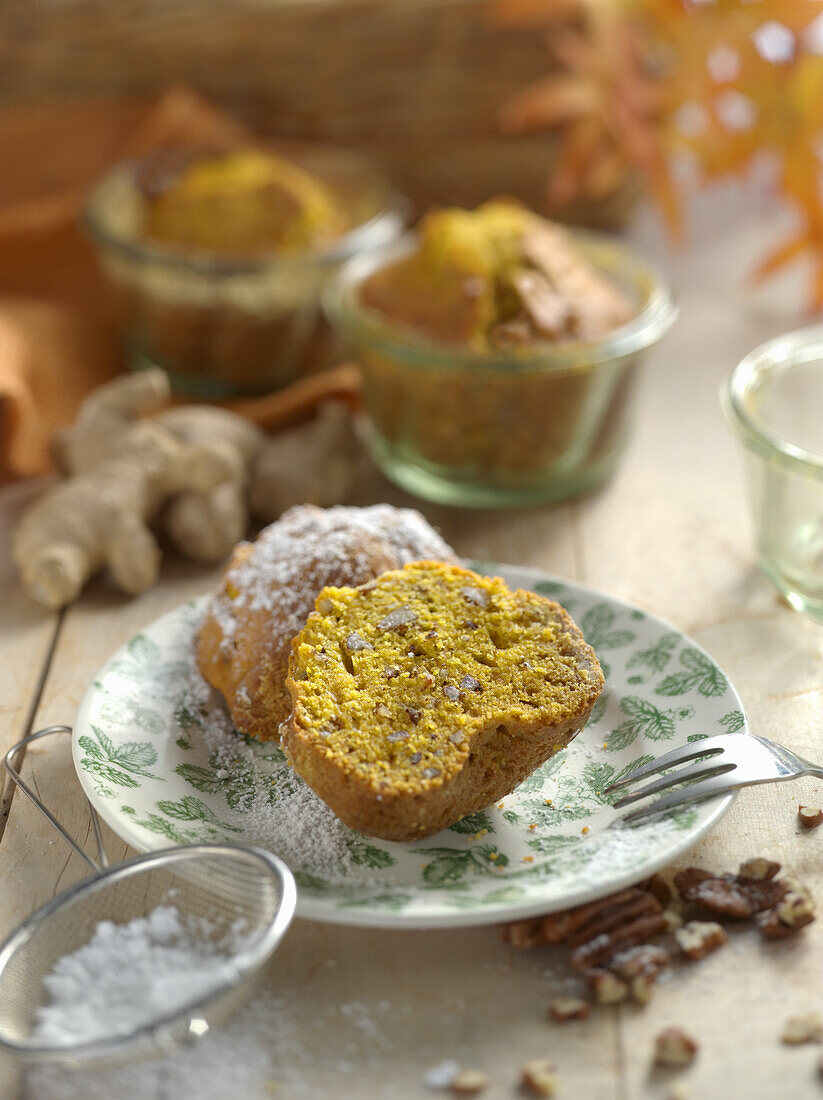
column 499, row 353
column 220, row 258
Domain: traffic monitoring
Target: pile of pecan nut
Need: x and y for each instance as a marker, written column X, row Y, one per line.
column 610, row 940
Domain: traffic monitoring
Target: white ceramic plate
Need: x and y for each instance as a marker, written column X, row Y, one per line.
column 148, row 759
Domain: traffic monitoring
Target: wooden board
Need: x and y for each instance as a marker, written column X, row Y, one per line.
column 670, row 532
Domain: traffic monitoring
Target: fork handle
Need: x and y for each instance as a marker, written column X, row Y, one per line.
column 812, row 769
column 795, row 765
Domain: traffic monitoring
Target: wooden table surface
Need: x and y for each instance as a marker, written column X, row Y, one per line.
column 366, row 1013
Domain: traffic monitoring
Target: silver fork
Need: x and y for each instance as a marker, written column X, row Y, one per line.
column 723, row 763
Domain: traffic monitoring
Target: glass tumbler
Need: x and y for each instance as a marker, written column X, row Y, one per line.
column 774, row 403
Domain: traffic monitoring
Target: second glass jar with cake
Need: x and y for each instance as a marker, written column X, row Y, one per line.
column 499, row 354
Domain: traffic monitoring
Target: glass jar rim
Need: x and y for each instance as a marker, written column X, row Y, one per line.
column 657, row 313
column 386, row 225
column 779, row 354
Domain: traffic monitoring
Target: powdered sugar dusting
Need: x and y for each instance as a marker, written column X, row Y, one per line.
column 286, row 1044
column 280, row 569
column 234, row 1061
column 272, row 807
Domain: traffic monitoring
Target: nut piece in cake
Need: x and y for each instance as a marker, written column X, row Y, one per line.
column 524, row 683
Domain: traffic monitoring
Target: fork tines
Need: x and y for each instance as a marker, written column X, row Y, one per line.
column 704, row 779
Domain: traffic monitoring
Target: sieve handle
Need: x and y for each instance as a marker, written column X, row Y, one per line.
column 10, row 764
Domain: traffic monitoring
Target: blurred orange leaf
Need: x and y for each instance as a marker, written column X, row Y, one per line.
column 624, row 74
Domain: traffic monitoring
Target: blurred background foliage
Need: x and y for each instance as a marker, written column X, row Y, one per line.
column 575, row 106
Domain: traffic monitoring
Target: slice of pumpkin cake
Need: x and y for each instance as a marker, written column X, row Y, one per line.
column 429, row 693
column 269, row 587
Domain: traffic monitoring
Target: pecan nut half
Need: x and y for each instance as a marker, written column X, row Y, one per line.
column 697, row 939
column 729, row 896
column 758, row 870
column 583, row 922
column 794, row 912
column 604, row 947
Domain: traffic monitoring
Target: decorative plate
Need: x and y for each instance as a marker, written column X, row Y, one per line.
column 156, row 755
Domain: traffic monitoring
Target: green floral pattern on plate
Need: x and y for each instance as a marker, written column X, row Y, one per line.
column 555, row 841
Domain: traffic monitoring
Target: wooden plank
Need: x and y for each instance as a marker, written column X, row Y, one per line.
column 27, row 635
column 33, row 858
column 35, row 864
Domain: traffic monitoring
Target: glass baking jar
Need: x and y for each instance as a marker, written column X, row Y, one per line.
column 224, row 326
column 499, row 428
column 774, row 403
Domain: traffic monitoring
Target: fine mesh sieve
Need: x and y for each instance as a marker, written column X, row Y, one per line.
column 218, row 890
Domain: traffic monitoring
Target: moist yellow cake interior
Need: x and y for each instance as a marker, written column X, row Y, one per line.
column 396, row 675
column 245, row 202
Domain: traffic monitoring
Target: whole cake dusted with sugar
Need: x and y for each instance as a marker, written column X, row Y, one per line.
column 431, row 692
column 269, row 587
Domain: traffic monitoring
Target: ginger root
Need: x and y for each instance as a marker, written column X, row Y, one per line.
column 313, row 463
column 124, row 469
column 191, row 470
